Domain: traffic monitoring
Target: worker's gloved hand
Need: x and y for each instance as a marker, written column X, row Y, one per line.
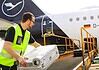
column 22, row 61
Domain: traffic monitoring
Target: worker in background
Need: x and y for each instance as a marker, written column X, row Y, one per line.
column 16, row 41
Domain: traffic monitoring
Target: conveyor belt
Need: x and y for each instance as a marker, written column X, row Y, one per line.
column 65, row 63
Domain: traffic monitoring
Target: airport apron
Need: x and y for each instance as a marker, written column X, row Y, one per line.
column 18, row 45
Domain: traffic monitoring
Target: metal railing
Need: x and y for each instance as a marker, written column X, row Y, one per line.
column 69, row 42
column 90, row 44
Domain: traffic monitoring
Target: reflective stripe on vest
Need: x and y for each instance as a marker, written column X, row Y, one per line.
column 18, row 48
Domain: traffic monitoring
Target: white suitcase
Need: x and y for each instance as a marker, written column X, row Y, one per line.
column 41, row 58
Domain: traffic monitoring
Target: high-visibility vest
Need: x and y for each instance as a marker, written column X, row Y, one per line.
column 5, row 58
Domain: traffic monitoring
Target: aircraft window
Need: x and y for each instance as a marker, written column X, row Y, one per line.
column 91, row 17
column 84, row 18
column 71, row 19
column 77, row 18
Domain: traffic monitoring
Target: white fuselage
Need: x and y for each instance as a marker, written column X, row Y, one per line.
column 71, row 23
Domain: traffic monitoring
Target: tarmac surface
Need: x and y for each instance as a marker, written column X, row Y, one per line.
column 65, row 63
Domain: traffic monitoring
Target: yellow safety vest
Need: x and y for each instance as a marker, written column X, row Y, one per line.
column 8, row 60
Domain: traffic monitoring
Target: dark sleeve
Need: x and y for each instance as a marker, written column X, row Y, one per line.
column 32, row 40
column 10, row 34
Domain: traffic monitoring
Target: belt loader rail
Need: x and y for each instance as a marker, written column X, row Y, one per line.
column 85, row 64
column 87, row 61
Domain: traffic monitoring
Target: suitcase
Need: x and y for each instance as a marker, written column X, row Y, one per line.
column 40, row 58
column 77, row 53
